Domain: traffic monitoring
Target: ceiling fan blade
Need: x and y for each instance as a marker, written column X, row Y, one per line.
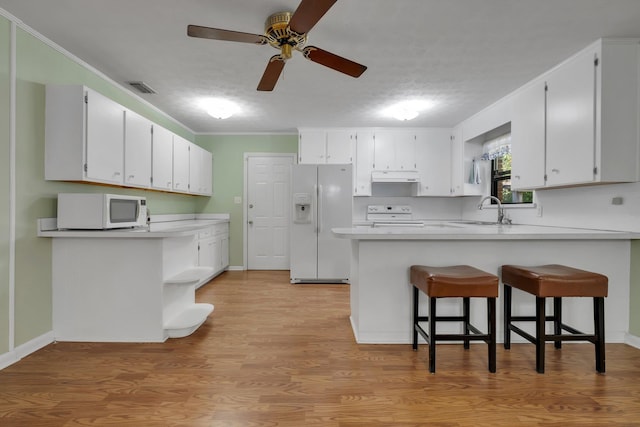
column 271, row 73
column 308, row 14
column 227, row 35
column 333, row 61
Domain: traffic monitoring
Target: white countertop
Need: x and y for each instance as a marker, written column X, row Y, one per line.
column 461, row 230
column 156, row 230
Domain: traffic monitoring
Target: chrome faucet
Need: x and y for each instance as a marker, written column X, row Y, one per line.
column 501, row 218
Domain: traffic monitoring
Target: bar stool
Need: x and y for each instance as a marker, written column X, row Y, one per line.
column 458, row 281
column 556, row 281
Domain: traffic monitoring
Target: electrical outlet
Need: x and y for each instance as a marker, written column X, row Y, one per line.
column 237, row 200
column 539, row 210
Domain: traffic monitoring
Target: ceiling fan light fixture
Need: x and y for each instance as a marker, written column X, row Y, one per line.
column 220, row 108
column 407, row 110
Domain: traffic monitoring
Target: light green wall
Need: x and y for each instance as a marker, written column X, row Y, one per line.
column 36, row 65
column 634, row 297
column 5, row 29
column 228, row 177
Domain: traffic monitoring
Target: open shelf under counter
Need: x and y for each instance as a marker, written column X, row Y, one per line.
column 191, row 276
column 188, row 320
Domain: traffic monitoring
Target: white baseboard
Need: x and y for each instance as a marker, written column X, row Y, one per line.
column 632, row 340
column 236, row 268
column 25, row 349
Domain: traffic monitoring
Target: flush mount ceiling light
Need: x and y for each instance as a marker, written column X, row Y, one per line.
column 407, row 110
column 219, row 108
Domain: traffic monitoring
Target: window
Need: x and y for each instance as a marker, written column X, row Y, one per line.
column 501, row 182
column 498, row 150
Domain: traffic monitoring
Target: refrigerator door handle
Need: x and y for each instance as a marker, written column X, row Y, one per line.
column 320, row 196
column 314, row 210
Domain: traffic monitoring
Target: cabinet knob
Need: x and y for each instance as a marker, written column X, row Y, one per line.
column 555, row 170
column 250, row 222
column 517, row 176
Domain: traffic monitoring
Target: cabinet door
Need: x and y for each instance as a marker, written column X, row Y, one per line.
column 137, row 150
column 364, row 163
column 208, row 253
column 180, row 164
column 339, row 146
column 571, row 122
column 224, row 251
column 405, row 150
column 196, row 181
column 206, row 172
column 105, row 139
column 199, row 170
column 457, row 162
column 162, row 159
column 528, row 138
column 384, row 155
column 312, row 146
column 433, row 157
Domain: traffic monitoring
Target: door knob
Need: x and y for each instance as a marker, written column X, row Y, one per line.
column 250, row 205
column 250, row 222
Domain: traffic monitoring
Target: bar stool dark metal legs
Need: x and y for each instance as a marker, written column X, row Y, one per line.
column 556, row 281
column 459, row 281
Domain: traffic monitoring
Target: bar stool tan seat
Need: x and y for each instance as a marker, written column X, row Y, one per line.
column 458, row 281
column 556, row 281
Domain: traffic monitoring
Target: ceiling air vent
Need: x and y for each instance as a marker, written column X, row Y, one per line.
column 142, row 87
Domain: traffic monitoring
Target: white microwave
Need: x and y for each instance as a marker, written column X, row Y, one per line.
column 100, row 211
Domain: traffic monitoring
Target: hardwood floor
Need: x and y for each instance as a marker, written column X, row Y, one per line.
column 276, row 354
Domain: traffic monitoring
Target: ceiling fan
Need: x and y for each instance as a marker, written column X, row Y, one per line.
column 286, row 31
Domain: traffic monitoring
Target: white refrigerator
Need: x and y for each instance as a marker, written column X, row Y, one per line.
column 321, row 200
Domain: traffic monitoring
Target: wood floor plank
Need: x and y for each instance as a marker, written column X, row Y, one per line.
column 276, row 354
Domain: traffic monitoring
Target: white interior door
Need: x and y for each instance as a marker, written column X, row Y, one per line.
column 268, row 199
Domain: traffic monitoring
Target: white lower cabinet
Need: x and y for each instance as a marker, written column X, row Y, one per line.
column 213, row 248
column 126, row 289
column 133, row 289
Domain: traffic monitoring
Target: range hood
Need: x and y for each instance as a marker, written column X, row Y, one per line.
column 395, row 176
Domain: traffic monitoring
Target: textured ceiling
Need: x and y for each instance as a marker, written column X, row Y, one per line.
column 462, row 54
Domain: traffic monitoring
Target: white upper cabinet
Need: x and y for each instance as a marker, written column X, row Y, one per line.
column 90, row 138
column 200, row 171
column 584, row 128
column 570, row 121
column 319, row 146
column 363, row 163
column 457, row 162
column 433, row 160
column 340, row 146
column 137, row 150
column 180, row 164
column 394, row 150
column 312, row 146
column 528, row 137
column 162, row 159
column 84, row 136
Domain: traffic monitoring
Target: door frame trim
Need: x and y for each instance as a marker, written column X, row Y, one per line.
column 245, row 190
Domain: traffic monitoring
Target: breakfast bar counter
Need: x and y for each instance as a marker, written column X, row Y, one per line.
column 134, row 284
column 380, row 291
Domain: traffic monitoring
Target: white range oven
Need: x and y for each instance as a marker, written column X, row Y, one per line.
column 392, row 216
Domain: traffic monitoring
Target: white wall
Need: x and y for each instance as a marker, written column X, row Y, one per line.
column 583, row 207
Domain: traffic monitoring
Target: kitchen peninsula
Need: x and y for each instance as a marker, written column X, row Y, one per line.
column 380, row 292
column 137, row 284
